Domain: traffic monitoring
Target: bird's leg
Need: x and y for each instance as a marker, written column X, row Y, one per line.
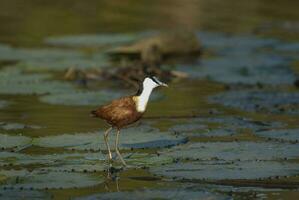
column 107, row 144
column 116, row 148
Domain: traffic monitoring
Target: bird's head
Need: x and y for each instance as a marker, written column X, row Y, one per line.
column 153, row 82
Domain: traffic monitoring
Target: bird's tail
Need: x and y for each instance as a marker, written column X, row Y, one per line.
column 93, row 113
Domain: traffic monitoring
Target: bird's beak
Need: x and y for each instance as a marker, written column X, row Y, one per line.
column 163, row 84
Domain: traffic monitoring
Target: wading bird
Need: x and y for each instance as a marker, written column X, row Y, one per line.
column 125, row 111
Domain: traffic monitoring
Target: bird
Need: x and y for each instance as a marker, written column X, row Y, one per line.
column 126, row 110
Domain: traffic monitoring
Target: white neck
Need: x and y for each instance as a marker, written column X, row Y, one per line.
column 143, row 99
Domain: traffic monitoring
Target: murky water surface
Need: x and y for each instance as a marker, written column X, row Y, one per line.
column 228, row 131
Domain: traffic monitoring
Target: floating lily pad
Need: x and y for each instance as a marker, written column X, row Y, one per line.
column 9, row 194
column 223, row 41
column 12, row 141
column 242, row 59
column 51, row 59
column 187, row 127
column 236, row 122
column 247, row 69
column 84, row 62
column 88, row 98
column 79, row 162
column 56, row 162
column 29, row 83
column 148, row 160
column 230, row 125
column 6, row 75
column 211, row 170
column 289, row 135
column 138, row 137
column 99, row 40
column 3, row 103
column 82, row 98
column 44, row 87
column 49, row 180
column 151, row 194
column 265, row 101
column 9, row 53
column 231, row 151
column 16, row 126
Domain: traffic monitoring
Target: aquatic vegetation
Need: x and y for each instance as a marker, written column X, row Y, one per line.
column 17, row 126
column 23, row 54
column 13, row 141
column 19, row 77
column 131, row 138
column 44, row 87
column 246, row 69
column 150, row 194
column 48, row 179
column 88, row 98
column 97, row 40
column 237, row 122
column 93, row 61
column 260, row 101
column 187, row 127
column 12, row 194
column 3, row 103
column 230, row 125
column 242, row 59
column 222, row 170
column 232, row 151
column 22, row 83
column 82, row 98
column 229, row 160
column 288, row 135
column 52, row 58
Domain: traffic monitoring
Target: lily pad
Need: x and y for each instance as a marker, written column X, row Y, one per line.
column 3, row 103
column 151, row 194
column 79, row 162
column 236, row 122
column 90, row 98
column 84, row 62
column 230, row 125
column 16, row 126
column 246, row 69
column 22, row 54
column 187, row 127
column 288, row 135
column 212, row 170
column 139, row 137
column 98, row 40
column 49, row 180
column 55, row 162
column 22, row 83
column 224, row 41
column 23, row 194
column 264, row 101
column 12, row 141
column 82, row 98
column 231, row 151
column 242, row 59
column 51, row 58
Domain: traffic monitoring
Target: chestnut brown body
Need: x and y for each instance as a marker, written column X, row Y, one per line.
column 119, row 113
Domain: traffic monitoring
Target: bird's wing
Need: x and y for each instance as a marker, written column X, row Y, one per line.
column 117, row 109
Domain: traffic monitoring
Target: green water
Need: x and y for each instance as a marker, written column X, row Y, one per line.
column 28, row 24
